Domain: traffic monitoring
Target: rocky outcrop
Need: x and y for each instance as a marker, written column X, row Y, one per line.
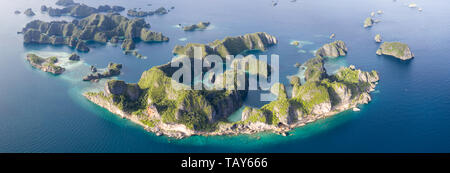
column 395, row 49
column 315, row 70
column 74, row 57
column 109, row 9
column 118, row 87
column 135, row 13
column 161, row 11
column 45, row 64
column 368, row 22
column 65, row 2
column 315, row 99
column 115, row 87
column 128, row 44
column 93, row 69
column 230, row 45
column 378, row 38
column 17, row 12
column 96, row 27
column 333, row 50
column 43, row 8
column 199, row 26
column 191, row 111
column 112, row 70
column 82, row 10
column 29, row 12
column 278, row 89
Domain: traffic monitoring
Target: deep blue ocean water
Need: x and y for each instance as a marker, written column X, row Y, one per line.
column 410, row 111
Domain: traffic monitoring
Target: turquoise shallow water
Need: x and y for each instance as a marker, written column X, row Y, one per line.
column 409, row 112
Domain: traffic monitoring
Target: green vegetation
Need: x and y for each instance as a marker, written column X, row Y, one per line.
column 254, row 115
column 193, row 108
column 311, row 94
column 396, row 49
column 188, row 50
column 315, row 70
column 52, row 60
column 295, row 80
column 200, row 25
column 230, row 45
column 45, row 64
column 150, row 123
column 348, row 75
column 368, row 22
column 33, row 58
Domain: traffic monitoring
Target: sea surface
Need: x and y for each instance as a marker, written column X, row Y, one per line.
column 410, row 110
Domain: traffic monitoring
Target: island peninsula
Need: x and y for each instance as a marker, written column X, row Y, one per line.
column 155, row 104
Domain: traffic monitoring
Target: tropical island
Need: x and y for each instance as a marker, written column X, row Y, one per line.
column 198, row 26
column 96, row 27
column 154, row 103
column 135, row 13
column 45, row 64
column 78, row 10
column 395, row 49
column 333, row 50
column 112, row 70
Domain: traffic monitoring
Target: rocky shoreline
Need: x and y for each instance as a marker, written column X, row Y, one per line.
column 180, row 131
column 155, row 103
column 45, row 64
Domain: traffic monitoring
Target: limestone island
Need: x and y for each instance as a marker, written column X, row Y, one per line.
column 45, row 64
column 368, row 22
column 377, row 38
column 29, row 12
column 333, row 50
column 74, row 57
column 96, row 27
column 79, row 10
column 65, row 2
column 395, row 49
column 199, row 26
column 229, row 45
column 112, row 70
column 155, row 104
column 135, row 13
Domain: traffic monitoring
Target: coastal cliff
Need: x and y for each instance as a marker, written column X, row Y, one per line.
column 199, row 26
column 157, row 104
column 333, row 50
column 112, row 70
column 45, row 64
column 230, row 45
column 395, row 49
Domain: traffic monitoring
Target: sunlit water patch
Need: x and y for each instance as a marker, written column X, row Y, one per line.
column 332, row 65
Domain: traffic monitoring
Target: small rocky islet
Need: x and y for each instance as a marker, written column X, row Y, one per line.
column 29, row 12
column 377, row 38
column 198, row 26
column 136, row 13
column 181, row 113
column 112, row 70
column 45, row 64
column 396, row 49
